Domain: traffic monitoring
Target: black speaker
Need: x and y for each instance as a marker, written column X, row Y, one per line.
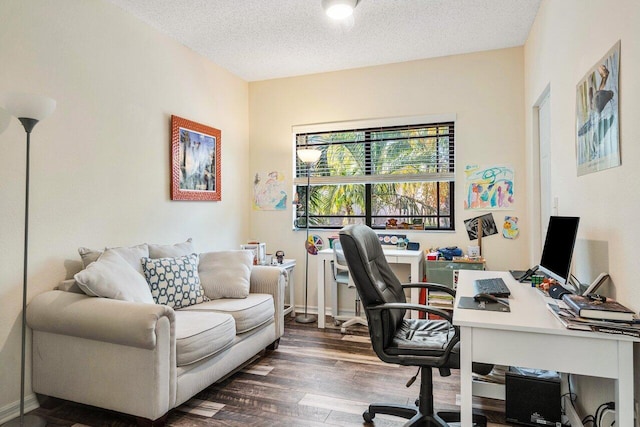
column 532, row 397
column 556, row 291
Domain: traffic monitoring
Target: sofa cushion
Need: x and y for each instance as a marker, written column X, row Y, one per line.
column 225, row 274
column 171, row 251
column 174, row 281
column 111, row 276
column 201, row 334
column 249, row 313
column 131, row 254
column 89, row 255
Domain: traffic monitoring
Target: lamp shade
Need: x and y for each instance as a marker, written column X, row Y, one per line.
column 5, row 118
column 339, row 9
column 309, row 155
column 28, row 105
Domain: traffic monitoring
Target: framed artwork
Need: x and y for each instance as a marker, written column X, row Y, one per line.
column 195, row 161
column 597, row 121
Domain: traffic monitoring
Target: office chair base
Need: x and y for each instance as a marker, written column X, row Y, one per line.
column 351, row 322
column 416, row 419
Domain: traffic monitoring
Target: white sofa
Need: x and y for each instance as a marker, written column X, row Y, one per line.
column 144, row 359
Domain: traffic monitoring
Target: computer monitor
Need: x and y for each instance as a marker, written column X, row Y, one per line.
column 558, row 247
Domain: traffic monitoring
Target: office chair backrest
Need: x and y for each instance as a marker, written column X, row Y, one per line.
column 375, row 281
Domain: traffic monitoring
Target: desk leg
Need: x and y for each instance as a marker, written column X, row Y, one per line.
column 320, row 284
column 466, row 377
column 624, row 385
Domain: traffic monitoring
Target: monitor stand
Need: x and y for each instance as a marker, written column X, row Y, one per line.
column 596, row 283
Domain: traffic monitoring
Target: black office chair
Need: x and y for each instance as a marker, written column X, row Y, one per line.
column 412, row 342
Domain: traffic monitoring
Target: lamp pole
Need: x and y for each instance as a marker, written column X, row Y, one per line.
column 29, row 110
column 309, row 157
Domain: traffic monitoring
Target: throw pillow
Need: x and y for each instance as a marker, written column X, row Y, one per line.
column 110, row 276
column 88, row 256
column 174, row 281
column 226, row 274
column 133, row 255
column 171, row 251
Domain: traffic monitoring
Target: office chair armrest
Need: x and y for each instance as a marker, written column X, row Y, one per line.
column 431, row 286
column 419, row 307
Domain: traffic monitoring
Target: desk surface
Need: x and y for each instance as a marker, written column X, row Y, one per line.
column 530, row 336
column 529, row 312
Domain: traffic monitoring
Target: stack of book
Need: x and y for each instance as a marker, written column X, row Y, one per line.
column 586, row 314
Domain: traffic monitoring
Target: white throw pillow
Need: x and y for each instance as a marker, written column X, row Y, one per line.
column 174, row 281
column 171, row 251
column 111, row 276
column 133, row 255
column 226, row 274
column 88, row 255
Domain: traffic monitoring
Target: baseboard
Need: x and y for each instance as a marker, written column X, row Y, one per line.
column 12, row 410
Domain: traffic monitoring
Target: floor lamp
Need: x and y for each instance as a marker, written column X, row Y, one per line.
column 308, row 156
column 29, row 109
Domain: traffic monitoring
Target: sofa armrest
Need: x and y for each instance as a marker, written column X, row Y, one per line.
column 271, row 280
column 102, row 319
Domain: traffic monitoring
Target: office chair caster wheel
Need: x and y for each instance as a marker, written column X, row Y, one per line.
column 368, row 417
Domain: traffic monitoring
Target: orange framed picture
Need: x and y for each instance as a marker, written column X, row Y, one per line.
column 195, row 161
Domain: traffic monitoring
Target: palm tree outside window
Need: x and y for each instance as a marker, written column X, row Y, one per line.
column 373, row 175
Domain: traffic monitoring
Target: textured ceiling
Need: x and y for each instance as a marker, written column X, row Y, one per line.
column 266, row 39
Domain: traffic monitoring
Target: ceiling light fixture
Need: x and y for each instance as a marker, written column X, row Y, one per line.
column 339, row 9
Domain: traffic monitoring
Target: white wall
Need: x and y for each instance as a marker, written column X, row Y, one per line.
column 484, row 90
column 566, row 40
column 100, row 163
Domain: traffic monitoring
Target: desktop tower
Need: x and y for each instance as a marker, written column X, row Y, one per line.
column 532, row 397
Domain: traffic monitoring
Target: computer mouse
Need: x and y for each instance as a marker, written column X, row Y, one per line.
column 486, row 298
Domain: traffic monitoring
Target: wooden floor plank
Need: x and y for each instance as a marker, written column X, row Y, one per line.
column 316, row 378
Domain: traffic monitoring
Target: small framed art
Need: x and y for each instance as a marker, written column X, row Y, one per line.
column 195, row 161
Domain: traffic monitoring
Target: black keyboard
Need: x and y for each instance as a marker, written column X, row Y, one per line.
column 494, row 286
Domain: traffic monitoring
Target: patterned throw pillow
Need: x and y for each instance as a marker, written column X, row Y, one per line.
column 174, row 281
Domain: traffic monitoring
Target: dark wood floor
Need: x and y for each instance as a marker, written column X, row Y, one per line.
column 315, row 378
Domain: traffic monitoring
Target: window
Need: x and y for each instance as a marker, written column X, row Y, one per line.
column 373, row 175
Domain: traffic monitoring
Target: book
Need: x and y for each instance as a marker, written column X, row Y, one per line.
column 571, row 321
column 606, row 310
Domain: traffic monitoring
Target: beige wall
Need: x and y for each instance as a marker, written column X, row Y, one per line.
column 100, row 163
column 567, row 39
column 484, row 90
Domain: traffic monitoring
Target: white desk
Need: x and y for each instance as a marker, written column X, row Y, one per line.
column 394, row 256
column 530, row 336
